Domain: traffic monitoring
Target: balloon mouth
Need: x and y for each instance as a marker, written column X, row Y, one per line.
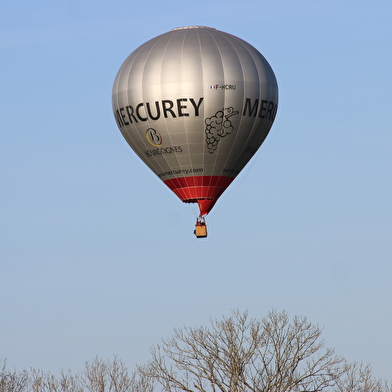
column 205, row 205
column 203, row 190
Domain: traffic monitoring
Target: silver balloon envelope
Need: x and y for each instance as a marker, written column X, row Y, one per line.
column 195, row 104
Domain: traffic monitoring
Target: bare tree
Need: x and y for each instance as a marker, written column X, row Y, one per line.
column 113, row 376
column 47, row 382
column 95, row 376
column 69, row 382
column 238, row 354
column 43, row 382
column 98, row 376
column 11, row 381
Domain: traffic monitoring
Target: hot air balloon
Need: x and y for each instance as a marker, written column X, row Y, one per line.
column 195, row 104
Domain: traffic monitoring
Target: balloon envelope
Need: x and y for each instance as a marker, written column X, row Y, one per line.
column 195, row 104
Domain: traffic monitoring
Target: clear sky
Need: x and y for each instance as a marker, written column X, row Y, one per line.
column 98, row 257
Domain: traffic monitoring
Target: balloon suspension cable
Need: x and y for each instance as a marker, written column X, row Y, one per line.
column 200, row 227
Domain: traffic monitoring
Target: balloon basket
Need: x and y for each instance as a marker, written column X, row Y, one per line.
column 200, row 227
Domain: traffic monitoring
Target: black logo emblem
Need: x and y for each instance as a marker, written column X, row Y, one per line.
column 153, row 137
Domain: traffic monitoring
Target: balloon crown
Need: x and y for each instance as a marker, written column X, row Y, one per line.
column 192, row 27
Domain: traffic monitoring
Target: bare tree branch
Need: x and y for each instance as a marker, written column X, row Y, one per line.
column 358, row 378
column 11, row 381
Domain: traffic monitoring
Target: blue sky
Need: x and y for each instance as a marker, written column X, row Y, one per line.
column 98, row 256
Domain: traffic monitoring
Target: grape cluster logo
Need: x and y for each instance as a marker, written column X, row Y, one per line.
column 218, row 126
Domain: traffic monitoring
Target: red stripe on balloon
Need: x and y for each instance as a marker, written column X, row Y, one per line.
column 205, row 190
